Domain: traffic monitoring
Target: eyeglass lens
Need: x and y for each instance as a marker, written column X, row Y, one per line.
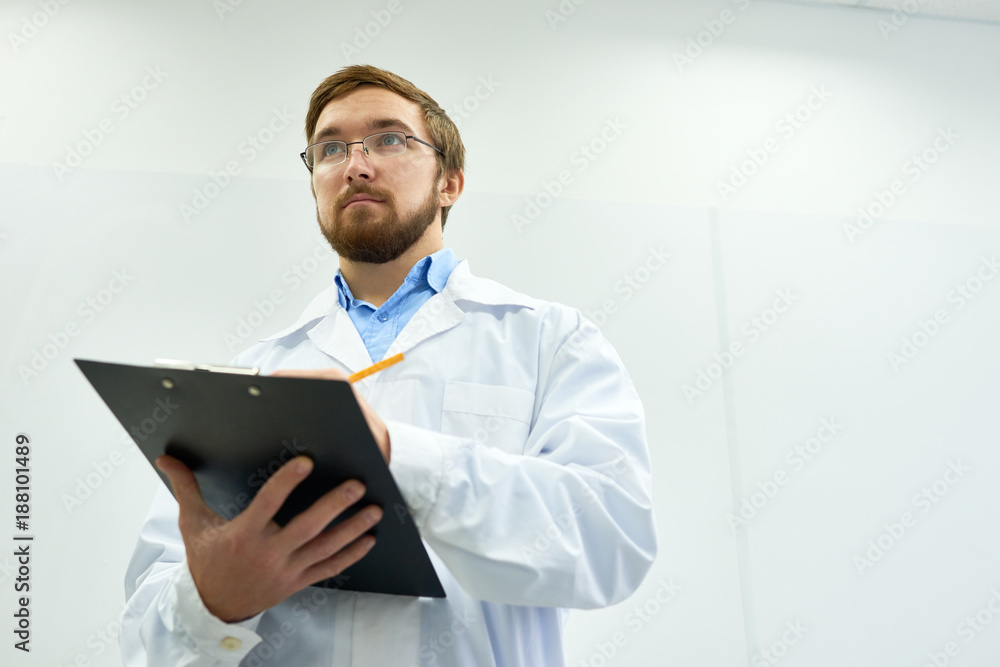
column 330, row 153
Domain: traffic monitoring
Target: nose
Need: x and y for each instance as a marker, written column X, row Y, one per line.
column 358, row 166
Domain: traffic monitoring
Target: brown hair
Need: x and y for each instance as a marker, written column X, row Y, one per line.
column 443, row 132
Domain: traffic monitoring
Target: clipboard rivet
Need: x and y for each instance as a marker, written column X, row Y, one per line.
column 167, row 383
column 254, row 390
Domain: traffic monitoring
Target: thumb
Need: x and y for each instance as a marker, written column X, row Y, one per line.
column 184, row 485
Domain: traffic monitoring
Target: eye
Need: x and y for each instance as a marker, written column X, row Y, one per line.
column 333, row 148
column 390, row 140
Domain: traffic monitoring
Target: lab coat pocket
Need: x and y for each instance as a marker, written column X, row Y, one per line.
column 492, row 415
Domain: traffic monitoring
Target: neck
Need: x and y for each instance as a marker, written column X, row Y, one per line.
column 375, row 283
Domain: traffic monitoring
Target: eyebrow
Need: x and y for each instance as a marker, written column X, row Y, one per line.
column 373, row 125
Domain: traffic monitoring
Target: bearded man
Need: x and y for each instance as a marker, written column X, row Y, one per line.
column 511, row 429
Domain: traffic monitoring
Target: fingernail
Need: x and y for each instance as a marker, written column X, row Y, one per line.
column 373, row 515
column 303, row 465
column 354, row 490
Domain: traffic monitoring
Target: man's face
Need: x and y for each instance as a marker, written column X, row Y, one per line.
column 373, row 209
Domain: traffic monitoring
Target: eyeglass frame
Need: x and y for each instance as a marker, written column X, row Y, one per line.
column 347, row 152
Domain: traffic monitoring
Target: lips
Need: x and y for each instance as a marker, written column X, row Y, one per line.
column 358, row 200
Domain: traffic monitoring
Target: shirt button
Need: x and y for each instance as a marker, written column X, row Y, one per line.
column 231, row 643
column 382, row 317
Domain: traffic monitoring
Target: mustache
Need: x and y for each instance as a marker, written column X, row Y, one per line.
column 364, row 189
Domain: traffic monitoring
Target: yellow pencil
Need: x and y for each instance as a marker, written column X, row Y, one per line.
column 375, row 368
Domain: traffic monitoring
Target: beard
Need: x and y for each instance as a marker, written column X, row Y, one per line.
column 366, row 234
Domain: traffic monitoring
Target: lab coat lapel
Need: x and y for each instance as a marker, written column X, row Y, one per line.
column 338, row 337
column 441, row 312
column 438, row 314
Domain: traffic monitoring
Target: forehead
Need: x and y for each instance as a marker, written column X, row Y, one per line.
column 366, row 108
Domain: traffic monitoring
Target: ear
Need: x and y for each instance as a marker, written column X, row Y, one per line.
column 451, row 185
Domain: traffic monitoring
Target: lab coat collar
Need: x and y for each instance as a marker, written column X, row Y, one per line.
column 462, row 285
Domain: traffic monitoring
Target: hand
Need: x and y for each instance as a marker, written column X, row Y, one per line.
column 375, row 423
column 244, row 566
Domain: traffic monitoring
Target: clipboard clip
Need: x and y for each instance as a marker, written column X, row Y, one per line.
column 189, row 366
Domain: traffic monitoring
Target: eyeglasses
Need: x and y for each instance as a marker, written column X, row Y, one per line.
column 383, row 144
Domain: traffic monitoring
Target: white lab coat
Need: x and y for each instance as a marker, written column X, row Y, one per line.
column 518, row 442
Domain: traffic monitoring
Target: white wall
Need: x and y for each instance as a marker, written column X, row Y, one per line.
column 685, row 128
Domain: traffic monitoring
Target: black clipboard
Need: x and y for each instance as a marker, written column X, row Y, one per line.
column 233, row 428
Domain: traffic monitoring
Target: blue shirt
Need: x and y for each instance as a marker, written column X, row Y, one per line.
column 379, row 326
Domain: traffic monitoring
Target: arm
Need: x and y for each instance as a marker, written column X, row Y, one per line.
column 568, row 523
column 198, row 583
column 164, row 621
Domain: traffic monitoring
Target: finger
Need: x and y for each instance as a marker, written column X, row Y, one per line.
column 184, row 484
column 324, row 546
column 311, row 522
column 317, row 374
column 336, row 564
column 275, row 492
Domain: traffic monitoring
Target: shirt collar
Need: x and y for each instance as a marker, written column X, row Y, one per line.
column 460, row 285
column 432, row 270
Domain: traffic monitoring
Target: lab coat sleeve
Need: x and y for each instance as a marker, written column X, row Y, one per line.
column 164, row 621
column 569, row 522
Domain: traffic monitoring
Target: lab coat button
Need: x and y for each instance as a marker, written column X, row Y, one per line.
column 231, row 643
